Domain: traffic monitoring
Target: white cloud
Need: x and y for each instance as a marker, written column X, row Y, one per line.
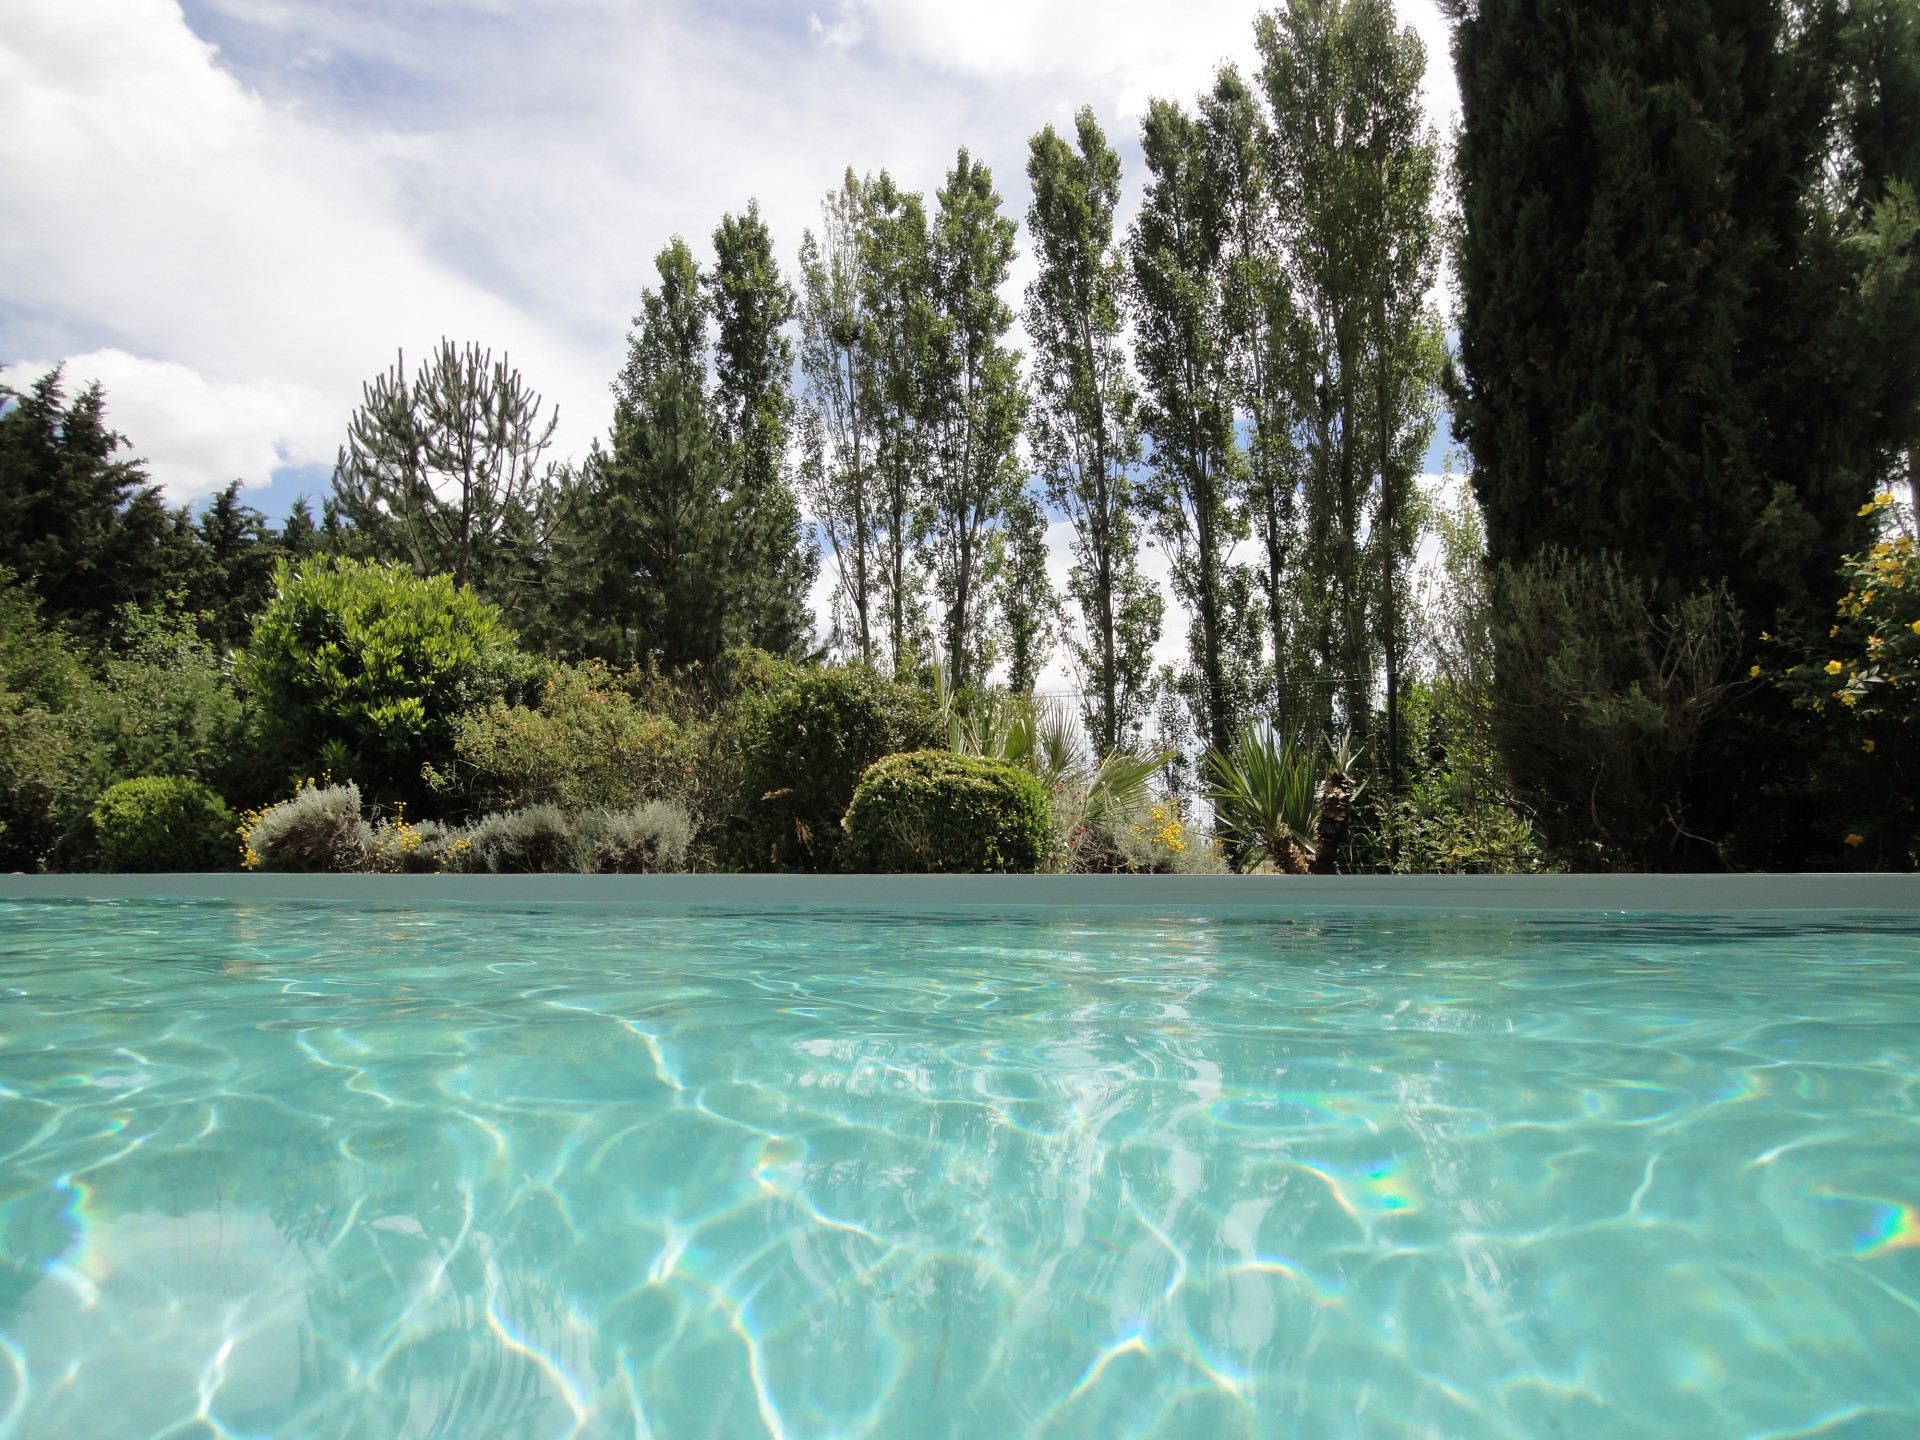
column 196, row 435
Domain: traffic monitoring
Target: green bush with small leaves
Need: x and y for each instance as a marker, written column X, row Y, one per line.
column 932, row 810
column 163, row 823
column 803, row 746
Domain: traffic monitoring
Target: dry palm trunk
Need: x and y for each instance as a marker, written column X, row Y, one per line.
column 1332, row 813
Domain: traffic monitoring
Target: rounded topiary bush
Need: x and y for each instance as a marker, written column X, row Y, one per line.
column 804, row 744
column 932, row 810
column 163, row 822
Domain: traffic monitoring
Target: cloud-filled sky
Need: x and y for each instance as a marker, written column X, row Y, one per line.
column 234, row 212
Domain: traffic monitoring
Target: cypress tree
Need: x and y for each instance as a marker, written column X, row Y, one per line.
column 1690, row 334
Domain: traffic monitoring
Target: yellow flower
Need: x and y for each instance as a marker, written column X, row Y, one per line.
column 1849, row 699
column 1885, row 497
column 1833, row 632
column 1916, row 627
column 1834, row 667
column 1856, row 839
column 1754, row 672
column 1867, row 745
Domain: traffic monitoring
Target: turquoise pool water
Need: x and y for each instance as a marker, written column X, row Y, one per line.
column 321, row 1171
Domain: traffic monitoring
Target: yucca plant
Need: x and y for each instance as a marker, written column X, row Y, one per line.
column 1262, row 790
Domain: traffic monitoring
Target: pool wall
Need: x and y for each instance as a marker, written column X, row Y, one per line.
column 999, row 893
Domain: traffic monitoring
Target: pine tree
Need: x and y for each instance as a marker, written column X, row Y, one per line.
column 1084, row 423
column 442, row 470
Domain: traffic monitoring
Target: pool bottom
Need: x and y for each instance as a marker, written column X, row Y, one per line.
column 291, row 1171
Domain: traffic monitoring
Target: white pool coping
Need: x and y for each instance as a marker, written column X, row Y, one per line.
column 976, row 894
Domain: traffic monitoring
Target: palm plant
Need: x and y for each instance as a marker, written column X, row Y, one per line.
column 1263, row 793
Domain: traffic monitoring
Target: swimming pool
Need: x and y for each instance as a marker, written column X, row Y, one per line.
column 315, row 1170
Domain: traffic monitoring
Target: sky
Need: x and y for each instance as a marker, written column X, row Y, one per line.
column 233, row 213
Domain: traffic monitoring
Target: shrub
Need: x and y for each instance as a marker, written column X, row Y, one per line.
column 1861, row 688
column 587, row 744
column 933, row 810
column 538, row 840
column 649, row 839
column 804, row 746
column 45, row 749
column 320, row 829
column 1608, row 696
column 163, row 822
column 367, row 667
column 164, row 704
column 400, row 847
column 1143, row 836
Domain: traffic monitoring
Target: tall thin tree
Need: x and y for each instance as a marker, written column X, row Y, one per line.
column 1178, row 248
column 975, row 409
column 1084, row 426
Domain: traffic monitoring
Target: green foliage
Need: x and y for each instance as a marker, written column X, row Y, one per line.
column 1179, row 249
column 164, row 702
column 80, row 524
column 1605, row 696
column 368, row 668
column 1690, row 327
column 319, row 831
column 45, row 754
column 1860, row 687
column 1262, row 791
column 803, row 748
column 1084, row 425
column 932, row 810
column 587, row 743
column 163, row 822
column 442, row 472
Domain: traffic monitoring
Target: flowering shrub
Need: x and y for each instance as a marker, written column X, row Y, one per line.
column 1865, row 681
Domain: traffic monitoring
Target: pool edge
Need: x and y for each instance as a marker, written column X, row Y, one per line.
column 1717, row 894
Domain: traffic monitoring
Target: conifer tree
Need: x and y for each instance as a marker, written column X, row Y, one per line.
column 1688, row 310
column 1028, row 606
column 1690, row 332
column 1084, row 426
column 648, row 530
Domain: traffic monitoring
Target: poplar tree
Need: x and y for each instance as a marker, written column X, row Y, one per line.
column 1178, row 250
column 838, row 431
column 1266, row 343
column 974, row 407
column 771, row 564
column 898, row 279
column 1353, row 167
column 1028, row 608
column 1084, row 427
